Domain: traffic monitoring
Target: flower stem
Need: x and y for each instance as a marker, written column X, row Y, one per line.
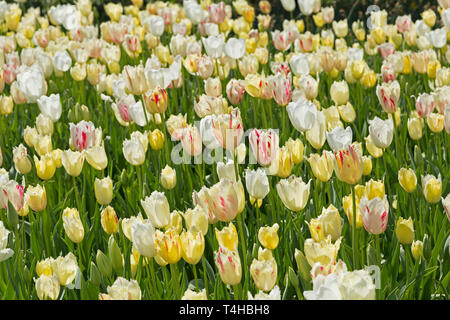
column 354, row 244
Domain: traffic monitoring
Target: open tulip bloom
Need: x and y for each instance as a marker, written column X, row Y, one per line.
column 220, row 149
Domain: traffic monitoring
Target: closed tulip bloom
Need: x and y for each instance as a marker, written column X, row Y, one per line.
column 288, row 5
column 45, row 167
column 374, row 214
column 156, row 139
column 44, row 125
column 322, row 166
column 309, row 86
column 175, row 222
column 282, row 164
column 156, row 101
column 214, row 46
column 143, row 236
column 50, row 106
column 296, row 148
column 281, row 40
column 103, row 189
column 6, row 105
column 381, row 132
column 407, row 179
column 302, row 114
column 226, row 170
column 191, row 141
column 157, row 209
column 192, row 246
column 432, row 188
column 123, row 289
column 37, row 198
column 109, row 221
column 417, row 249
column 415, row 126
column 347, row 112
column 324, row 251
column 316, row 135
column 135, row 79
column 196, row 218
column 235, row 48
column 168, row 178
column 82, row 135
column 257, row 184
column 133, row 151
column 388, row 95
column 235, row 91
column 405, row 230
column 65, row 268
column 213, row 87
column 96, row 157
column 268, row 236
column 281, row 89
column 226, row 199
column 21, row 161
column 264, row 145
column 293, row 192
column 72, row 225
column 229, row 265
column 435, row 122
column 339, row 138
column 425, row 104
column 168, row 245
column 447, row 119
column 330, row 222
column 227, row 237
column 264, row 270
column 299, row 64
column 47, row 287
column 72, row 162
column 228, row 129
column 339, row 92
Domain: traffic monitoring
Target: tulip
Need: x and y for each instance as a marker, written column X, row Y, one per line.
column 168, row 246
column 156, row 101
column 44, row 125
column 268, row 236
column 429, row 17
column 31, row 83
column 197, row 219
column 156, row 139
column 73, row 225
column 257, row 184
column 6, row 105
column 425, row 105
column 37, row 198
column 228, row 129
column 339, row 92
column 302, row 114
column 192, row 246
column 264, row 145
column 143, row 237
column 235, row 91
column 123, row 289
column 348, row 164
column 226, row 170
column 293, row 192
column 20, row 158
column 157, row 209
column 5, row 253
column 229, row 266
column 435, row 122
column 281, row 89
column 381, row 132
column 288, row 5
column 235, row 48
column 322, row 166
column 73, row 162
column 227, row 237
column 339, row 138
column 47, row 287
column 264, row 270
column 415, row 127
column 374, row 214
column 299, row 64
column 447, row 119
column 295, row 148
column 388, row 95
column 103, row 189
column 109, row 221
column 438, row 37
column 50, row 106
column 168, row 178
column 432, row 188
column 82, row 135
column 175, row 222
column 133, row 151
column 405, row 230
column 226, row 199
column 191, row 141
column 340, row 28
column 309, row 86
column 316, row 135
column 328, row 223
column 192, row 295
column 45, row 167
column 213, row 46
column 417, row 249
column 407, row 179
column 324, row 251
column 442, row 95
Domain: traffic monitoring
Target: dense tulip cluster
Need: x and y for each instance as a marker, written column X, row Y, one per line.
column 211, row 151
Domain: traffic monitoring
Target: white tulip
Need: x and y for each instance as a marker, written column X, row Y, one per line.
column 299, row 64
column 339, row 138
column 381, row 132
column 50, row 106
column 143, row 235
column 157, row 209
column 302, row 114
column 438, row 37
column 213, row 46
column 235, row 48
column 293, row 192
column 288, row 5
column 257, row 183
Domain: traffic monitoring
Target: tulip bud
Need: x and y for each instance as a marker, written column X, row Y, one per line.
column 6, row 105
column 94, row 274
column 339, row 92
column 21, row 161
column 115, row 255
column 427, row 247
column 417, row 249
column 168, row 178
column 175, row 222
column 296, row 148
column 405, row 230
column 44, row 125
column 227, row 237
column 303, row 266
column 156, row 139
column 264, row 270
column 196, row 218
column 109, row 221
column 103, row 189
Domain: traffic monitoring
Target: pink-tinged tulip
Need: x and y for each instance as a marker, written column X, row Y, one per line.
column 135, row 80
column 213, row 87
column 388, row 95
column 374, row 214
column 388, row 72
column 205, row 65
column 229, row 265
column 424, row 105
column 235, row 91
column 348, row 164
column 446, row 205
column 386, row 49
column 447, row 119
column 191, row 141
column 228, row 129
column 404, row 23
column 281, row 40
column 306, row 42
column 15, row 194
column 207, row 105
column 200, row 198
column 82, row 135
column 442, row 98
column 224, row 199
column 121, row 109
column 264, row 144
column 281, row 89
column 217, row 12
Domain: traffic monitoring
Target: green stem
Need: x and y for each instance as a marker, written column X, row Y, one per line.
column 196, row 278
column 354, row 244
column 174, row 272
column 205, row 278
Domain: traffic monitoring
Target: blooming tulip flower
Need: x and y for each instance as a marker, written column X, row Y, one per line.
column 157, row 209
column 432, row 188
column 339, row 138
column 228, row 264
column 293, row 192
column 264, row 145
column 374, row 214
column 302, row 114
column 348, row 165
column 381, row 132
